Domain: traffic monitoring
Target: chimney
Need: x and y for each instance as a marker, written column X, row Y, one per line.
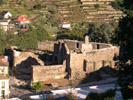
column 86, row 39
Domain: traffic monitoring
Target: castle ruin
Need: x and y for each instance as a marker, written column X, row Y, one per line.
column 66, row 59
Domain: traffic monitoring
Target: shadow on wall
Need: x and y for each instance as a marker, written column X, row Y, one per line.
column 46, row 56
column 27, row 63
column 23, row 70
column 101, row 74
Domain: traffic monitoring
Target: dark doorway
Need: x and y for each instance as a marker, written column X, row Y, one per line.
column 77, row 45
column 98, row 46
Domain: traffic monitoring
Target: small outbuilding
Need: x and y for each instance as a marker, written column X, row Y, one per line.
column 5, row 14
column 65, row 25
column 21, row 20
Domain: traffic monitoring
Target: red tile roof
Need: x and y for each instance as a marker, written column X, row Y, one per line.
column 21, row 18
column 4, row 61
column 65, row 23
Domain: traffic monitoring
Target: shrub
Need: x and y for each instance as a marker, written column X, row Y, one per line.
column 127, row 92
column 96, row 6
column 52, row 10
column 109, row 98
column 107, row 95
column 93, row 96
column 51, row 97
column 37, row 85
column 38, row 6
column 72, row 96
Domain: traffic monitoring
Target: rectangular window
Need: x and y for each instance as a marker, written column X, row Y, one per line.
column 98, row 46
column 3, row 84
column 77, row 45
column 2, row 93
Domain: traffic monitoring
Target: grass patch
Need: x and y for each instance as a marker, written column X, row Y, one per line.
column 68, row 3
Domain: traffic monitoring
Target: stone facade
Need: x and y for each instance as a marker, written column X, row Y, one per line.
column 83, row 57
column 66, row 59
column 44, row 73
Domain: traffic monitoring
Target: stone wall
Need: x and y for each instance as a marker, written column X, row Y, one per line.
column 47, row 45
column 100, row 45
column 22, row 56
column 44, row 73
column 76, row 64
column 99, row 58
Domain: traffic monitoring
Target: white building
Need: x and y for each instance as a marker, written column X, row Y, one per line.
column 5, row 14
column 65, row 25
column 4, row 65
column 4, row 87
column 4, row 25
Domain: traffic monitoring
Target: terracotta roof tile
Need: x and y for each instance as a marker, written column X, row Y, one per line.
column 2, row 77
column 4, row 61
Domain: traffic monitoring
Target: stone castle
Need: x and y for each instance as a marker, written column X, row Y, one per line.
column 62, row 59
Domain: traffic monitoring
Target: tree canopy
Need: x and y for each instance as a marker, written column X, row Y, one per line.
column 124, row 38
column 24, row 40
column 101, row 33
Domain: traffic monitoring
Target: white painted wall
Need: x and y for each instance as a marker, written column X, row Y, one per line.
column 8, row 15
column 4, row 25
column 66, row 26
column 4, row 70
column 6, row 87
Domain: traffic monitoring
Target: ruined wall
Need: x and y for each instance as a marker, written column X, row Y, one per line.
column 47, row 45
column 72, row 45
column 101, row 45
column 76, row 64
column 99, row 58
column 22, row 56
column 44, row 73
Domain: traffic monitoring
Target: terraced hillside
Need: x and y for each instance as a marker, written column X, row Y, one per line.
column 85, row 10
column 100, row 11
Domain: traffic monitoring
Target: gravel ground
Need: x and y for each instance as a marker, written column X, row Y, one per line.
column 16, row 91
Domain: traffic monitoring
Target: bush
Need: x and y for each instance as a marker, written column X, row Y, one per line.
column 72, row 96
column 127, row 92
column 109, row 98
column 37, row 86
column 93, row 96
column 51, row 97
column 38, row 6
column 52, row 10
column 96, row 6
column 107, row 95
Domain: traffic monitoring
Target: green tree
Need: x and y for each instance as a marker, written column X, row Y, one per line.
column 42, row 33
column 1, row 2
column 124, row 38
column 118, row 4
column 101, row 33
